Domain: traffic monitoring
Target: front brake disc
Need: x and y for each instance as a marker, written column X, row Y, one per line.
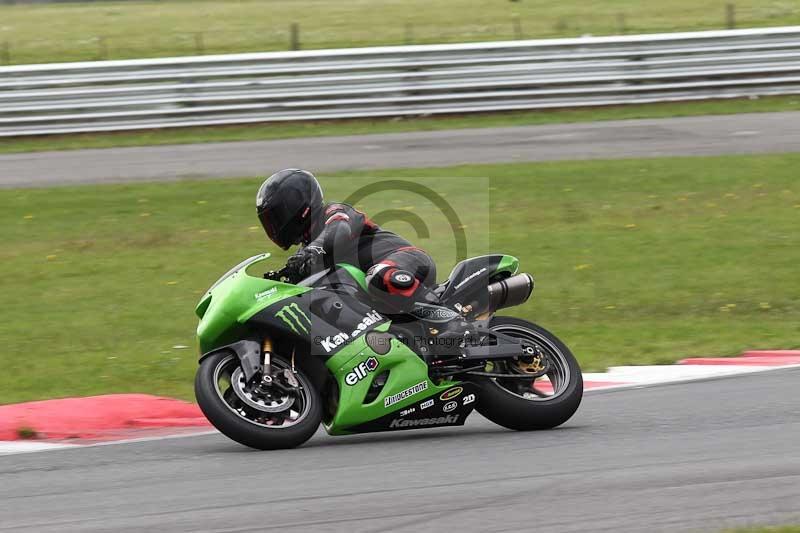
column 255, row 400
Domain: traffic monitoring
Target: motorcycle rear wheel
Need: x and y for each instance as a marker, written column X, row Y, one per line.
column 519, row 404
column 285, row 422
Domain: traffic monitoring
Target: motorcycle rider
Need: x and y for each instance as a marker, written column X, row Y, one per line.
column 291, row 209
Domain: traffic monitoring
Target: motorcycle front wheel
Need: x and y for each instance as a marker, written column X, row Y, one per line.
column 283, row 414
column 523, row 403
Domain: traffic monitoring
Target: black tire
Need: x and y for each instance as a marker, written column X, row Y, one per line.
column 246, row 432
column 515, row 412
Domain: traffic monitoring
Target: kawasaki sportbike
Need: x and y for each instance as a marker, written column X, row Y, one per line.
column 279, row 358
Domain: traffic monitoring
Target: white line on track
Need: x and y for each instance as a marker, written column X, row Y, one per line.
column 22, row 446
column 13, row 447
column 635, row 377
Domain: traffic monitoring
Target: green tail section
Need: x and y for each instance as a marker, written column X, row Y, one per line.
column 508, row 264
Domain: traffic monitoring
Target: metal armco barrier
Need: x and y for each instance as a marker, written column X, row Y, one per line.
column 396, row 81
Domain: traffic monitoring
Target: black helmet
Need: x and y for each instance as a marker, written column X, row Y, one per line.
column 285, row 203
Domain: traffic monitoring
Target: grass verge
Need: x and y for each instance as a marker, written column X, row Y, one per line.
column 637, row 261
column 397, row 125
column 116, row 30
column 768, row 529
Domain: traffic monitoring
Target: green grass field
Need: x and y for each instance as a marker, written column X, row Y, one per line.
column 772, row 529
column 395, row 125
column 115, row 30
column 637, row 261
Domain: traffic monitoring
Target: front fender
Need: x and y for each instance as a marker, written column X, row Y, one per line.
column 249, row 354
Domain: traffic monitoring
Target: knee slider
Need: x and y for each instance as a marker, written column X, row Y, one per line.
column 401, row 279
column 392, row 288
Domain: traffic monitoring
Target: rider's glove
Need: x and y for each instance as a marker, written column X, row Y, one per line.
column 295, row 267
column 306, row 261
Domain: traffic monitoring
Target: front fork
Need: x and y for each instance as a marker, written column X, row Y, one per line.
column 266, row 375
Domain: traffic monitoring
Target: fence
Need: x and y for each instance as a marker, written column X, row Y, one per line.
column 190, row 33
column 397, row 81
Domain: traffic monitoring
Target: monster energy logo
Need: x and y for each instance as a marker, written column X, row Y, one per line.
column 294, row 317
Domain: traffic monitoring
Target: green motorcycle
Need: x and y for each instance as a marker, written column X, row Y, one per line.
column 278, row 358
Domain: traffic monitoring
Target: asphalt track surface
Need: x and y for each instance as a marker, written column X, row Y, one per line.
column 711, row 135
column 689, row 457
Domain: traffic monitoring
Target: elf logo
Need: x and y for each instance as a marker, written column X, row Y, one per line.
column 361, row 371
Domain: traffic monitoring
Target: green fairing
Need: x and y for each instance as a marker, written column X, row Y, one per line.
column 233, row 300
column 356, row 273
column 406, row 370
column 237, row 296
column 508, row 264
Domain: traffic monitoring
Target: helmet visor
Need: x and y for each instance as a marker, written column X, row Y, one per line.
column 283, row 226
column 273, row 232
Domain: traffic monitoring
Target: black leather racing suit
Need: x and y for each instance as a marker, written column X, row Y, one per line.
column 339, row 233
